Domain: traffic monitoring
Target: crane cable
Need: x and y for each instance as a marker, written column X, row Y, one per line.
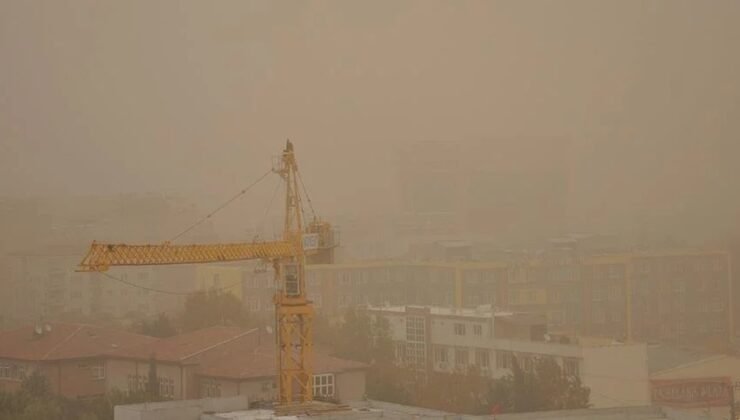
column 263, row 222
column 305, row 192
column 191, row 227
column 222, row 206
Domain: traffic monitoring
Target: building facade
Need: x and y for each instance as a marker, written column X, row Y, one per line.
column 84, row 361
column 681, row 296
column 433, row 339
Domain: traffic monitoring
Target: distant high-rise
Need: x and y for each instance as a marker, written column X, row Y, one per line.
column 513, row 188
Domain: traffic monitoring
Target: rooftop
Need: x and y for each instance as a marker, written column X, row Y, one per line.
column 662, row 357
column 481, row 312
column 252, row 356
column 361, row 410
column 57, row 341
column 224, row 352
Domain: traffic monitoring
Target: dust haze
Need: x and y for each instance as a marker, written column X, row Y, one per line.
column 637, row 101
column 498, row 206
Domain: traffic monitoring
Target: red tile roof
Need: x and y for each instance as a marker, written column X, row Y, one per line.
column 223, row 352
column 67, row 341
column 181, row 347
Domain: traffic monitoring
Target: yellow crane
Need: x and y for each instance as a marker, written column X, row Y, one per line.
column 293, row 311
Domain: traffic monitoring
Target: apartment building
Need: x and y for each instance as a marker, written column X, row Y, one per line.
column 43, row 284
column 434, row 339
column 83, row 361
column 664, row 296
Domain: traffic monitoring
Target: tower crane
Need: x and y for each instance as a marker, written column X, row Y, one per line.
column 293, row 311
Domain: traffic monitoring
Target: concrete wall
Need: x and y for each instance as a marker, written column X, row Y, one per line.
column 350, row 386
column 443, row 332
column 616, row 375
column 179, row 410
column 719, row 366
column 118, row 371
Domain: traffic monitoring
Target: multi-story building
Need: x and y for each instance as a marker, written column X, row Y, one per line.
column 82, row 361
column 46, row 237
column 433, row 339
column 43, row 284
column 664, row 296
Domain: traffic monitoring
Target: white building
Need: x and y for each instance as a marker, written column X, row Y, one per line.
column 448, row 340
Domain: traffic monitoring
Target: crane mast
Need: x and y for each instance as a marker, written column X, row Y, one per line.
column 293, row 311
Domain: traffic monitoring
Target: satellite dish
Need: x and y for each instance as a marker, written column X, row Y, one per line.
column 38, row 330
column 47, row 327
column 268, row 329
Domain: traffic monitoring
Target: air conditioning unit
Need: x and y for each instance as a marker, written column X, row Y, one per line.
column 443, row 366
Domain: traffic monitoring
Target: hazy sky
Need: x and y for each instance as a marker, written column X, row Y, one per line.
column 193, row 96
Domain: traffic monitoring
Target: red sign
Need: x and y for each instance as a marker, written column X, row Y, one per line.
column 691, row 393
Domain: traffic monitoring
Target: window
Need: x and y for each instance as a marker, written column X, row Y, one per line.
column 440, row 354
column 416, row 355
column 98, row 371
column 20, row 372
column 254, row 303
column 401, row 352
column 166, row 387
column 599, row 293
column 461, row 358
column 526, row 363
column 137, row 383
column 5, row 371
column 12, row 371
column 415, row 329
column 570, row 367
column 482, row 358
column 477, row 329
column 504, row 359
column 323, row 385
column 459, row 329
column 717, row 305
column 210, row 388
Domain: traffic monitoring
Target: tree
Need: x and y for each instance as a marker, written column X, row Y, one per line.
column 457, row 392
column 365, row 339
column 158, row 327
column 214, row 307
column 544, row 387
column 36, row 385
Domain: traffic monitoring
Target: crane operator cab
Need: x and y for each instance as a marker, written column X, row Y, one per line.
column 292, row 285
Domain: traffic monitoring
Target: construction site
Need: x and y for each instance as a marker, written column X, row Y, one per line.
column 401, row 209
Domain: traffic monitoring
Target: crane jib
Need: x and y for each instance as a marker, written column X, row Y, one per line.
column 102, row 256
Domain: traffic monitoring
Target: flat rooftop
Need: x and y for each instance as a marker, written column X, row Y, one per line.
column 485, row 312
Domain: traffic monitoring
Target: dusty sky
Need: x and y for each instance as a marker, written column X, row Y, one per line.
column 642, row 98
